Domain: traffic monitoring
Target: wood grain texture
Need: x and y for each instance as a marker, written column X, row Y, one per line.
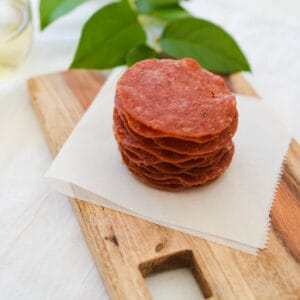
column 126, row 248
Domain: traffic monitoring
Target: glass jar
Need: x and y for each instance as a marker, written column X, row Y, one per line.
column 15, row 33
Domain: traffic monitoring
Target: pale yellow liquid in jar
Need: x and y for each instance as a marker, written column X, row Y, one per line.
column 15, row 34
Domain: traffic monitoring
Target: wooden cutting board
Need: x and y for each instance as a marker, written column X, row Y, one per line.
column 126, row 248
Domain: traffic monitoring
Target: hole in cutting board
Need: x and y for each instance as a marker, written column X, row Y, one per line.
column 180, row 280
column 178, row 284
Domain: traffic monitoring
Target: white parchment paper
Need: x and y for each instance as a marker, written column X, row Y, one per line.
column 233, row 210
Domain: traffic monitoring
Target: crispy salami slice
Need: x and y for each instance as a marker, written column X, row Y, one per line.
column 196, row 177
column 176, row 97
column 174, row 122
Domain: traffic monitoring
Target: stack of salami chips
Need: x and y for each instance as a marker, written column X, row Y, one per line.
column 173, row 122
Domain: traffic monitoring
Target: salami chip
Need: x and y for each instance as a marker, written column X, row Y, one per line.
column 196, row 177
column 204, row 162
column 130, row 142
column 168, row 168
column 192, row 148
column 168, row 184
column 158, row 184
column 147, row 132
column 176, row 97
column 124, row 138
column 160, row 172
column 173, row 122
column 139, row 157
column 178, row 146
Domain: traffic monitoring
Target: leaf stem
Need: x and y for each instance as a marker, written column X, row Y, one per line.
column 153, row 29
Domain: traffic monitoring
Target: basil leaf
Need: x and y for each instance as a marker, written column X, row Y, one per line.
column 139, row 53
column 206, row 42
column 166, row 13
column 50, row 10
column 145, row 6
column 162, row 2
column 107, row 37
column 170, row 13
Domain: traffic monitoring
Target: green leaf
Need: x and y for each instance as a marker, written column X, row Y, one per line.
column 162, row 2
column 50, row 10
column 108, row 36
column 206, row 42
column 170, row 13
column 145, row 6
column 166, row 13
column 139, row 53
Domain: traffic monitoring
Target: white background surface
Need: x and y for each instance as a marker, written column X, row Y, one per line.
column 42, row 252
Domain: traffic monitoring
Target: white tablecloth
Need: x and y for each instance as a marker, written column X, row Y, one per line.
column 42, row 252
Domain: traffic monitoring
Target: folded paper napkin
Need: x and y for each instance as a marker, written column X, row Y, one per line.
column 233, row 210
